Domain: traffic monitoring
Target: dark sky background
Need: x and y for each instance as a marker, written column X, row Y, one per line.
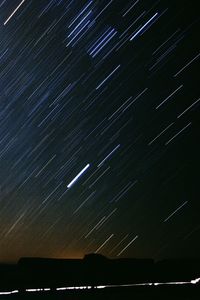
column 99, row 132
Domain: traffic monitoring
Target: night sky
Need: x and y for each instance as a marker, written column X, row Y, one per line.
column 99, row 129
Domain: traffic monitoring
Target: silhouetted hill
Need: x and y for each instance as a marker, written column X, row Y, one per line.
column 94, row 270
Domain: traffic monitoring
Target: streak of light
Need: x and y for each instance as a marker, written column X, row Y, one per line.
column 2, row 3
column 97, row 48
column 38, row 290
column 84, row 32
column 101, row 163
column 138, row 96
column 125, row 31
column 176, row 90
column 143, row 26
column 108, row 77
column 130, row 8
column 84, row 202
column 14, row 11
column 188, row 108
column 157, row 49
column 125, row 190
column 45, row 200
column 81, row 29
column 189, row 63
column 178, row 133
column 127, row 245
column 120, row 107
column 100, row 40
column 9, row 293
column 94, row 227
column 193, row 281
column 74, row 288
column 79, row 23
column 80, row 14
column 15, row 224
column 104, row 243
column 90, row 177
column 118, row 244
column 128, row 105
column 160, row 134
column 78, row 176
column 45, row 166
column 103, row 9
column 175, row 211
column 104, row 219
column 98, row 177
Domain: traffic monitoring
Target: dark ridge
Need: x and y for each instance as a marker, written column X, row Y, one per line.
column 94, row 270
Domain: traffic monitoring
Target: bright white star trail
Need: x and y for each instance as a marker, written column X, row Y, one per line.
column 78, row 176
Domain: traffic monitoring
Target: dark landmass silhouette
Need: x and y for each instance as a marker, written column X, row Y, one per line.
column 96, row 270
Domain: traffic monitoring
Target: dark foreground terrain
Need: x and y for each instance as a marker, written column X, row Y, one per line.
column 96, row 277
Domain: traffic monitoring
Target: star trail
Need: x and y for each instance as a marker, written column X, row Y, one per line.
column 99, row 128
